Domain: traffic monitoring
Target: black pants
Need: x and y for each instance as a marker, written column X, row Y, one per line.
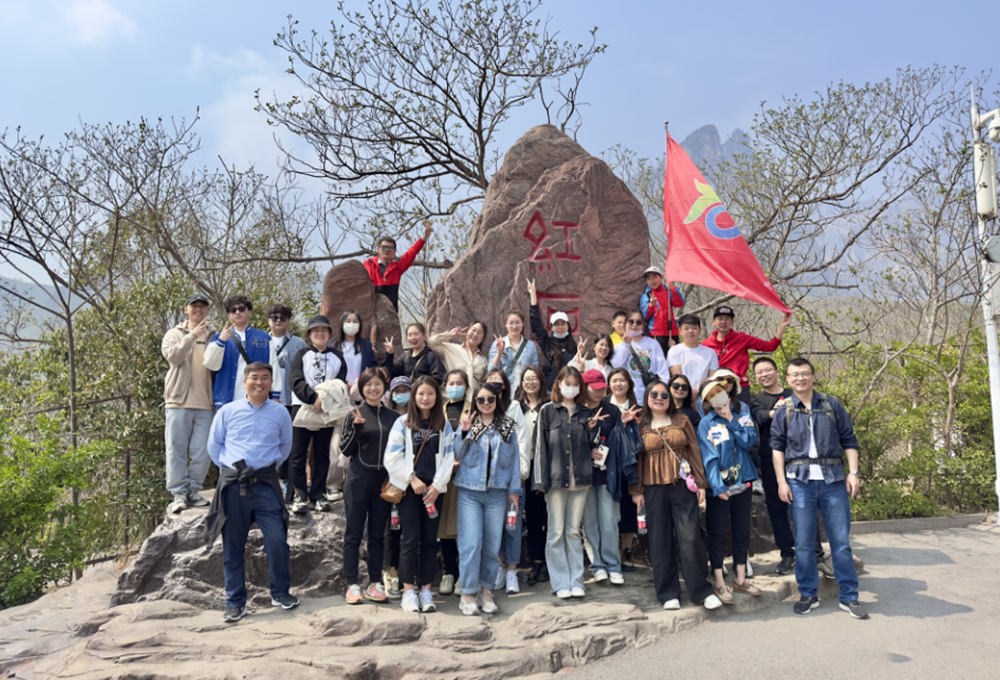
column 664, row 341
column 720, row 515
column 777, row 512
column 629, row 522
column 418, row 535
column 672, row 508
column 449, row 555
column 321, row 461
column 536, row 517
column 363, row 505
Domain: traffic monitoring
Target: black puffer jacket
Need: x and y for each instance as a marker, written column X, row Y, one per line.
column 367, row 442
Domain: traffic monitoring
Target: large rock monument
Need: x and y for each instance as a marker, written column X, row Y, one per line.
column 558, row 215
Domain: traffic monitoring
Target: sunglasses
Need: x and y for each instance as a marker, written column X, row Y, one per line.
column 486, row 400
column 659, row 395
column 277, row 318
column 238, row 309
column 680, row 387
column 634, row 322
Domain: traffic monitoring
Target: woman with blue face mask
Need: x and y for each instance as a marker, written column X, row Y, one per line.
column 397, row 397
column 456, row 387
column 460, row 349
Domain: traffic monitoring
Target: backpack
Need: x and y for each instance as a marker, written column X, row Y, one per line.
column 824, row 407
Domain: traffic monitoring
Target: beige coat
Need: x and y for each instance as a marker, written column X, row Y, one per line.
column 178, row 348
column 458, row 358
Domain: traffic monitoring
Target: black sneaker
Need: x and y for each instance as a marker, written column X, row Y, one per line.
column 826, row 569
column 855, row 609
column 627, row 564
column 285, row 602
column 536, row 570
column 234, row 614
column 806, row 605
column 543, row 575
column 785, row 566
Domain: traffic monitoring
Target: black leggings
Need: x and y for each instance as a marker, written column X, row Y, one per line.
column 321, row 461
column 363, row 505
column 719, row 515
column 536, row 515
column 418, row 535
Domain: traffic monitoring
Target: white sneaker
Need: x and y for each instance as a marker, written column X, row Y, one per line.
column 178, row 504
column 501, row 578
column 757, row 488
column 564, row 594
column 391, row 585
column 617, row 579
column 410, row 602
column 333, row 495
column 712, row 602
column 427, row 601
column 578, row 592
column 674, row 604
column 600, row 575
column 512, row 587
column 447, row 586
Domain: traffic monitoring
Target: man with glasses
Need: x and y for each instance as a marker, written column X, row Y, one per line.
column 385, row 271
column 235, row 347
column 285, row 346
column 810, row 438
column 187, row 397
column 690, row 358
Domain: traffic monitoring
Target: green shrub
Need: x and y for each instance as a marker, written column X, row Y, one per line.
column 880, row 499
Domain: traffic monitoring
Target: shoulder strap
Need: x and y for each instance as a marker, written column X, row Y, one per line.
column 520, row 350
column 421, row 449
column 284, row 344
column 242, row 349
column 415, row 367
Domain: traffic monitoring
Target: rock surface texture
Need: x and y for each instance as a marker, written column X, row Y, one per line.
column 558, row 215
column 347, row 286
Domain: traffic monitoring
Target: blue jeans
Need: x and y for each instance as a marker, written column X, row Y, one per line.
column 481, row 517
column 600, row 526
column 262, row 506
column 833, row 503
column 510, row 542
column 563, row 547
column 186, row 439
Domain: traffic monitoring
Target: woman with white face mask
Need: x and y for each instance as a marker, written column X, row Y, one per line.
column 640, row 354
column 562, row 470
column 358, row 352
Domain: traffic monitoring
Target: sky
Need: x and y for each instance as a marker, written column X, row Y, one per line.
column 98, row 61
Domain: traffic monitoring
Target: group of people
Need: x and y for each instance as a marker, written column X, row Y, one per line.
column 455, row 444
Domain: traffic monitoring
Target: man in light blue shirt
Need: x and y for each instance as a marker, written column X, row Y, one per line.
column 249, row 439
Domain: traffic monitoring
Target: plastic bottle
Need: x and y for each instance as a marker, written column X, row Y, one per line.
column 738, row 488
column 394, row 518
column 432, row 510
column 512, row 518
column 640, row 517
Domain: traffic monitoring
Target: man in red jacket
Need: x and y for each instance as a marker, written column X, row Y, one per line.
column 385, row 272
column 733, row 347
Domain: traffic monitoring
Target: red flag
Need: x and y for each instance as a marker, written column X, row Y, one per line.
column 704, row 245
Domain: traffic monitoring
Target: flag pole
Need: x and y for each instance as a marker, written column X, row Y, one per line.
column 670, row 294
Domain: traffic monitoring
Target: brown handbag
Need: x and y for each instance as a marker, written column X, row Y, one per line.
column 390, row 492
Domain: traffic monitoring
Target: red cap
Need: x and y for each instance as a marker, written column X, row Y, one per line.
column 595, row 379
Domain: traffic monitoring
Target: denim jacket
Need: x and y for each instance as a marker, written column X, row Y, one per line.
column 529, row 357
column 831, row 426
column 500, row 437
column 726, row 444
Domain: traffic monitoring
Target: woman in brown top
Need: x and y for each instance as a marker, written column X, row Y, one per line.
column 669, row 455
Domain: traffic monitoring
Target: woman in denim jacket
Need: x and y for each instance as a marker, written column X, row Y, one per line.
column 725, row 439
column 488, row 478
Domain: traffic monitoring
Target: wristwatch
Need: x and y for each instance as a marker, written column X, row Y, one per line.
column 855, row 473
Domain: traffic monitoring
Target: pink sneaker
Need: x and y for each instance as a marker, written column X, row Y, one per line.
column 376, row 593
column 353, row 595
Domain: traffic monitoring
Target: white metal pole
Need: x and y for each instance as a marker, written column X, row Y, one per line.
column 992, row 350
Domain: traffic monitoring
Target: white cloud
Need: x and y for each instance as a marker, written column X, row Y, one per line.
column 94, row 22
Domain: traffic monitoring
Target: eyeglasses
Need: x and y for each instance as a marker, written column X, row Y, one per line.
column 486, row 400
column 387, row 248
column 634, row 322
column 680, row 387
column 796, row 376
column 277, row 318
column 530, row 381
column 238, row 309
column 659, row 395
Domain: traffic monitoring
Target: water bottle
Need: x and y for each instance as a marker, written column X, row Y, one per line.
column 432, row 510
column 394, row 518
column 641, row 519
column 512, row 518
column 738, row 488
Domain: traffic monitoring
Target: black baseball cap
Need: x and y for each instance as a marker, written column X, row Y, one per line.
column 724, row 311
column 196, row 297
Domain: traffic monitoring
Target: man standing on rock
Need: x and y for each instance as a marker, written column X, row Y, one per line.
column 732, row 347
column 657, row 304
column 234, row 348
column 250, row 438
column 386, row 272
column 187, row 395
column 810, row 438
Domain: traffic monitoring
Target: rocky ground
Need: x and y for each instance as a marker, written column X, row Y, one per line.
column 162, row 618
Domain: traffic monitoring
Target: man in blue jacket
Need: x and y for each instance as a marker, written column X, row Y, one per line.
column 236, row 346
column 810, row 439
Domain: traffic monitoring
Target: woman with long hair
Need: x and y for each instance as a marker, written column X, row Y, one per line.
column 563, row 471
column 622, row 396
column 467, row 356
column 488, row 478
column 456, row 407
column 532, row 395
column 420, row 460
column 671, row 485
column 683, row 398
column 514, row 352
column 726, row 435
column 350, row 341
column 603, row 349
column 416, row 361
column 366, row 436
column 640, row 354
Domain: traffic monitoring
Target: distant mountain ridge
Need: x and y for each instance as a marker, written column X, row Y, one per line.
column 706, row 148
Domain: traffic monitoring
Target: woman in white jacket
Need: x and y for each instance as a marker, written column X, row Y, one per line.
column 638, row 352
column 420, row 458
